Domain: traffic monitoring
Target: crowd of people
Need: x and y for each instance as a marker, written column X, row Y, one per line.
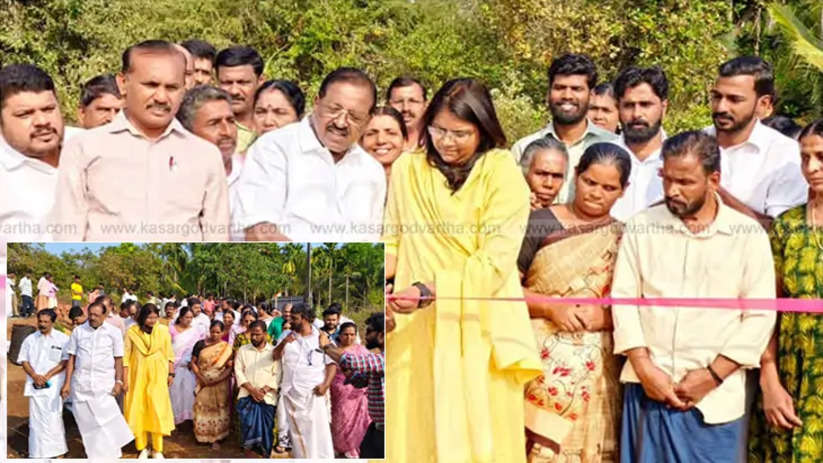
column 601, row 202
column 289, row 383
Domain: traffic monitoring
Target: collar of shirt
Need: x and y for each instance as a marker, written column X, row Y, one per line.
column 592, row 130
column 121, row 123
column 653, row 158
column 308, row 141
column 12, row 159
column 722, row 223
column 759, row 138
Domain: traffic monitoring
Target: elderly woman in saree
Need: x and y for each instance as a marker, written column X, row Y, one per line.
column 455, row 219
column 211, row 362
column 349, row 404
column 573, row 408
column 183, row 337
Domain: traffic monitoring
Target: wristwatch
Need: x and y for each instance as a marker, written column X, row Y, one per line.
column 425, row 295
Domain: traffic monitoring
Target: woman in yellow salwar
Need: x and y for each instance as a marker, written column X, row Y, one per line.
column 211, row 362
column 456, row 216
column 573, row 408
column 148, row 367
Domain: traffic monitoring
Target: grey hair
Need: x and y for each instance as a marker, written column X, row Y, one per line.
column 195, row 98
column 542, row 143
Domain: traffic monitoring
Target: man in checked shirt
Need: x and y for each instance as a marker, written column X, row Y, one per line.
column 370, row 365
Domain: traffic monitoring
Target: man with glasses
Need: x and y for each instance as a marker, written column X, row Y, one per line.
column 310, row 181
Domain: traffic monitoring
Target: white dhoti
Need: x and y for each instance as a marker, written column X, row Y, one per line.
column 308, row 419
column 47, row 435
column 102, row 426
column 182, row 394
column 283, row 434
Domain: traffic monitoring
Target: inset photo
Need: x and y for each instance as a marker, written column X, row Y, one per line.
column 195, row 350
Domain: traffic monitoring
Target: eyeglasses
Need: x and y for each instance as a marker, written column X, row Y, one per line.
column 456, row 135
column 337, row 110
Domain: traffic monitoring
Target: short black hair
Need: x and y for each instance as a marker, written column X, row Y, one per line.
column 304, row 310
column 217, row 323
column 289, row 89
column 98, row 86
column 183, row 311
column 75, row 312
column 193, row 301
column 50, row 312
column 157, row 46
column 573, row 64
column 607, row 153
column 96, row 304
column 171, row 304
column 406, row 81
column 754, row 66
column 352, row 76
column 331, row 311
column 17, row 78
column 695, row 142
column 785, row 125
column 376, row 322
column 200, row 49
column 239, row 55
column 814, row 128
column 633, row 76
column 604, row 88
column 258, row 323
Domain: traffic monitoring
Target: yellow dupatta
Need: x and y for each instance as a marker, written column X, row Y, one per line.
column 468, row 358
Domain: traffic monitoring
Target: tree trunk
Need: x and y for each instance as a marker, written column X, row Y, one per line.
column 331, row 268
column 308, row 275
column 347, row 291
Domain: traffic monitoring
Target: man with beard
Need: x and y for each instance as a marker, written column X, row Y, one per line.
column 761, row 166
column 408, row 96
column 206, row 112
column 147, row 145
column 371, row 365
column 685, row 398
column 240, row 72
column 94, row 377
column 642, row 101
column 43, row 360
column 311, row 181
column 31, row 130
column 571, row 78
column 258, row 375
column 307, row 376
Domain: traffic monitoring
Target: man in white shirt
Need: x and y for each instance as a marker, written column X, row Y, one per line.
column 100, row 101
column 31, row 131
column 761, row 166
column 571, row 79
column 128, row 296
column 307, row 375
column 310, row 180
column 199, row 320
column 94, row 377
column 43, row 358
column 11, row 297
column 685, row 381
column 26, row 296
column 642, row 101
column 43, row 288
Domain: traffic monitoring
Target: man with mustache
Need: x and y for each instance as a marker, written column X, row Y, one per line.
column 204, row 54
column 148, row 146
column 31, row 130
column 43, row 360
column 642, row 101
column 206, row 112
column 685, row 380
column 761, row 166
column 408, row 96
column 99, row 102
column 310, row 181
column 240, row 72
column 571, row 78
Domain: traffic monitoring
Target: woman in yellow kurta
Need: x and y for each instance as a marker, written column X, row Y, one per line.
column 455, row 219
column 148, row 367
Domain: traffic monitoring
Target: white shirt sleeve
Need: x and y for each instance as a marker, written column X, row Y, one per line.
column 71, row 346
column 25, row 350
column 262, row 187
column 117, row 342
column 788, row 187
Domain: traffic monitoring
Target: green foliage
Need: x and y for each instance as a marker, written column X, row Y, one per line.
column 247, row 271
